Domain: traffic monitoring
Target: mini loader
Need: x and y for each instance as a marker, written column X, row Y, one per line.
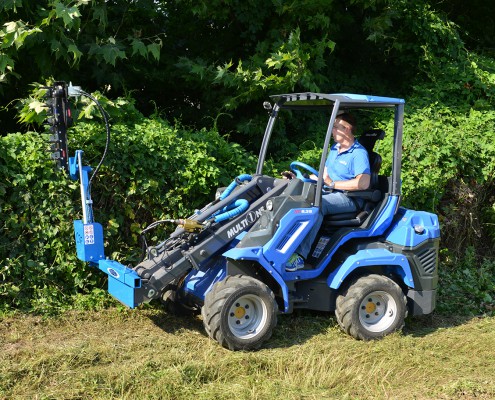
column 227, row 260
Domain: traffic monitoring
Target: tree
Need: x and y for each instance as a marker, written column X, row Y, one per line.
column 103, row 44
column 214, row 62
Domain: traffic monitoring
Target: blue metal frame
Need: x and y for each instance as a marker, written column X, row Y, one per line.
column 122, row 281
column 89, row 241
column 292, row 229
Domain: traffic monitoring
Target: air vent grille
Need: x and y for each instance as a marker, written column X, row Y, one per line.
column 288, row 235
column 428, row 260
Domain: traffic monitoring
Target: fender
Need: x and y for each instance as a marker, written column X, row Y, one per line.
column 256, row 254
column 373, row 257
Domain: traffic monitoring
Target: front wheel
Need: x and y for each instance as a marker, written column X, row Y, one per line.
column 172, row 303
column 372, row 307
column 240, row 312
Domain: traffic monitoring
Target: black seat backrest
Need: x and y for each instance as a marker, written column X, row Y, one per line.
column 368, row 140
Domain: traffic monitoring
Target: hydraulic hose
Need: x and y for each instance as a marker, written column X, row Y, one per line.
column 234, row 184
column 107, row 128
column 235, row 208
column 228, row 212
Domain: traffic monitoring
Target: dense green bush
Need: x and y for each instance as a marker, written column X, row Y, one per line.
column 468, row 287
column 153, row 171
column 442, row 145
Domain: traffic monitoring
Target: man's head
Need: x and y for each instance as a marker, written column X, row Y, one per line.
column 344, row 127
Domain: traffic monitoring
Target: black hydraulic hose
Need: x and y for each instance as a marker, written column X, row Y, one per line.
column 107, row 128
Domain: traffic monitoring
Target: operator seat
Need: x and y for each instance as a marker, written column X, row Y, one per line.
column 372, row 195
column 368, row 140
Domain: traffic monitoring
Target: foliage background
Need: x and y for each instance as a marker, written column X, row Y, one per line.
column 183, row 82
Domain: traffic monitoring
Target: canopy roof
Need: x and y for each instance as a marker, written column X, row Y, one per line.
column 347, row 100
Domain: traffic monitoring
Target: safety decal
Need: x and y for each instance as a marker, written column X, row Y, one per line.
column 320, row 246
column 89, row 234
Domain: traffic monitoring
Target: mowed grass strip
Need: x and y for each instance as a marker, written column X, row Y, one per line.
column 146, row 354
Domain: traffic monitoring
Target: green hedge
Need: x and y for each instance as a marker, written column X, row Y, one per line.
column 153, row 171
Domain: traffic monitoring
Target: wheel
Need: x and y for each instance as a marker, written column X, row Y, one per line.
column 372, row 307
column 294, row 168
column 240, row 313
column 172, row 304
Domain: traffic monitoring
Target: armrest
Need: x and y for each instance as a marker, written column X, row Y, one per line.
column 369, row 194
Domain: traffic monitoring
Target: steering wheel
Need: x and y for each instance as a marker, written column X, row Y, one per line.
column 294, row 168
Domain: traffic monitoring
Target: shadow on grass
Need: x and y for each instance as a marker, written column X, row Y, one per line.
column 420, row 326
column 291, row 330
column 170, row 323
column 303, row 325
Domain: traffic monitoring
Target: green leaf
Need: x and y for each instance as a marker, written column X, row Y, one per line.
column 68, row 14
column 15, row 33
column 112, row 53
column 5, row 61
column 76, row 53
column 154, row 49
column 100, row 15
column 139, row 47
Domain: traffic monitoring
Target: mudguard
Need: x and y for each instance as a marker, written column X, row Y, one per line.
column 256, row 254
column 396, row 263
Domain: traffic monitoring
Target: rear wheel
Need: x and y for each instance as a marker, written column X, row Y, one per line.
column 240, row 313
column 372, row 307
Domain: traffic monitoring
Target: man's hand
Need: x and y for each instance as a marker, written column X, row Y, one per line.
column 288, row 175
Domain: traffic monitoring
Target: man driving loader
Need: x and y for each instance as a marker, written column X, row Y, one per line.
column 347, row 168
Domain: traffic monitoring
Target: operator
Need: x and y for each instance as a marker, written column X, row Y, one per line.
column 346, row 168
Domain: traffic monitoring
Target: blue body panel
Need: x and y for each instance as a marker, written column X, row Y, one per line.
column 122, row 282
column 373, row 257
column 293, row 228
column 413, row 228
column 199, row 282
column 291, row 231
column 89, row 241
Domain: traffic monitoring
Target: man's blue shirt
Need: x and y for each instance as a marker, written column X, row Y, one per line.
column 348, row 164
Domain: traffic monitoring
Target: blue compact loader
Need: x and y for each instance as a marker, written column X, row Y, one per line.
column 372, row 268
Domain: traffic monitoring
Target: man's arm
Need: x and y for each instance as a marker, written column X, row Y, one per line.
column 360, row 182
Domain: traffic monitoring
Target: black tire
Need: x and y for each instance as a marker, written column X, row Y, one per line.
column 172, row 304
column 371, row 307
column 240, row 313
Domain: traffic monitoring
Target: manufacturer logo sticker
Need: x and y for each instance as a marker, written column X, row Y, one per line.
column 112, row 272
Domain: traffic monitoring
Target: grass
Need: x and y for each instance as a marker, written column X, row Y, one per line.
column 146, row 354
